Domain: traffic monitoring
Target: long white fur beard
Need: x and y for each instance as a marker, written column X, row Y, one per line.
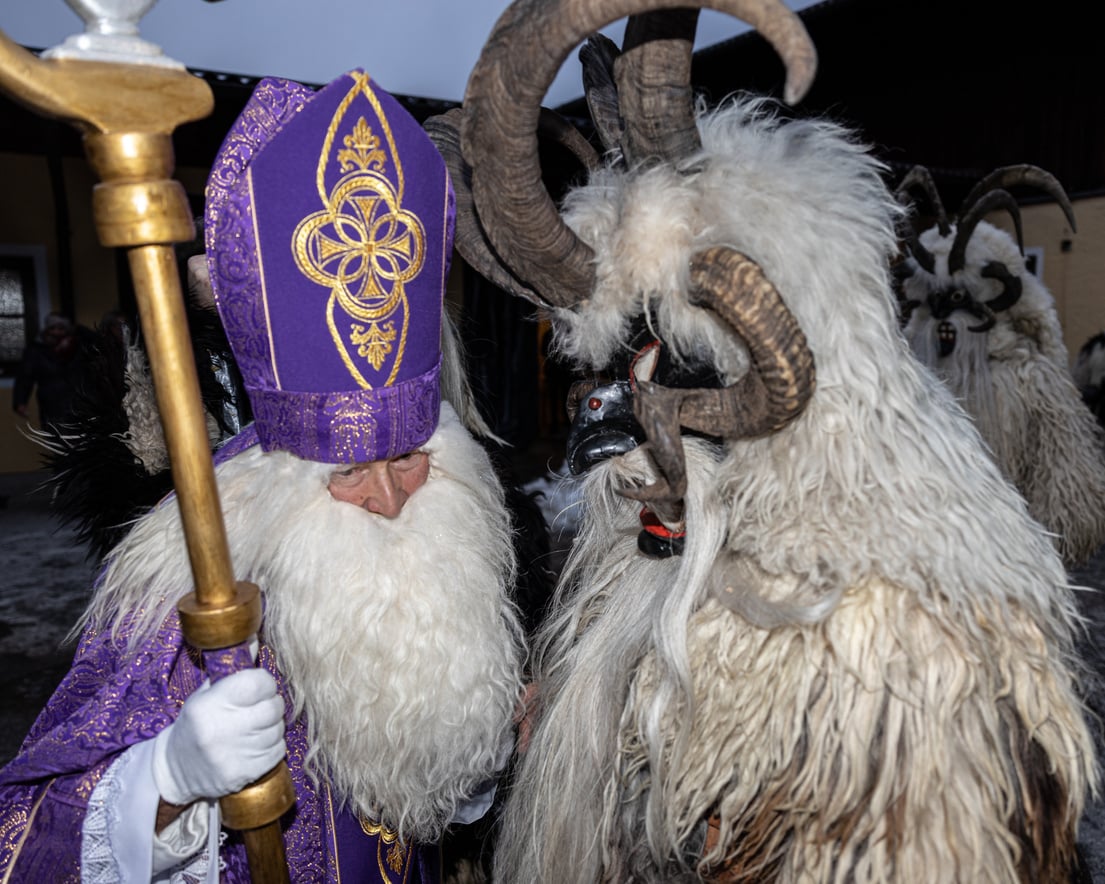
column 397, row 638
column 966, row 372
column 568, row 817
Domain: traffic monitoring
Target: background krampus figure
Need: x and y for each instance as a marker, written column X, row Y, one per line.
column 808, row 632
column 989, row 329
column 1088, row 373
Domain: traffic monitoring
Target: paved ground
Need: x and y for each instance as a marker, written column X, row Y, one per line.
column 44, row 584
column 45, row 579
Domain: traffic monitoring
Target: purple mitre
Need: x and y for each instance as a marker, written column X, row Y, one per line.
column 329, row 227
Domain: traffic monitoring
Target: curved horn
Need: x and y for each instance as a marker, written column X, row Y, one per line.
column 774, row 391
column 470, row 240
column 551, row 126
column 920, row 254
column 1027, row 175
column 1011, row 286
column 653, row 74
column 498, row 135
column 596, row 57
column 995, row 199
column 920, row 177
column 736, row 288
column 983, row 312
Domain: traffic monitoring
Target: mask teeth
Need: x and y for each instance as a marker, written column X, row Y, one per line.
column 945, row 337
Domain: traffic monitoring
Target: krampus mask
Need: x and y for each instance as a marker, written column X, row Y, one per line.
column 510, row 231
column 937, row 273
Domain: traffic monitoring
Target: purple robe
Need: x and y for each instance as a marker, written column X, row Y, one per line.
column 107, row 703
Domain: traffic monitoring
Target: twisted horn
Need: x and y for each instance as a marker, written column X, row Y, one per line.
column 995, row 199
column 983, row 312
column 737, row 290
column 470, row 239
column 1027, row 175
column 774, row 391
column 551, row 126
column 920, row 254
column 523, row 54
column 653, row 75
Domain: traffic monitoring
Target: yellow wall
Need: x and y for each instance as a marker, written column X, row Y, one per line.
column 1076, row 278
column 27, row 219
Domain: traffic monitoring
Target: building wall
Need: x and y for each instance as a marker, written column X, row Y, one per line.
column 1074, row 265
column 28, row 220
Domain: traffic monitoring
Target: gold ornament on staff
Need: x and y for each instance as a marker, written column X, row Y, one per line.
column 126, row 98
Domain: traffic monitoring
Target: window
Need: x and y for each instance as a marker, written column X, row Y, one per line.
column 23, row 298
column 1034, row 261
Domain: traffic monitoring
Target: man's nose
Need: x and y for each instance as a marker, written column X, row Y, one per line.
column 383, row 494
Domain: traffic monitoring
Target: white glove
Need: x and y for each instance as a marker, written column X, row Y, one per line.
column 226, row 736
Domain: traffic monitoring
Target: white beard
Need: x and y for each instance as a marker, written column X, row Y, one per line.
column 396, row 637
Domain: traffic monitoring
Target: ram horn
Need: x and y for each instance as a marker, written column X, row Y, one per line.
column 920, row 254
column 471, row 242
column 965, row 227
column 1027, row 175
column 773, row 392
column 1011, row 286
column 920, row 177
column 653, row 75
column 498, row 132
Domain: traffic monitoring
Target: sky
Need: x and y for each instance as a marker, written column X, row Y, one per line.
column 411, row 47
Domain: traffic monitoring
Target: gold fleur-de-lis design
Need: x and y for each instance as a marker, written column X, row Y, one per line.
column 362, row 149
column 373, row 342
column 396, row 857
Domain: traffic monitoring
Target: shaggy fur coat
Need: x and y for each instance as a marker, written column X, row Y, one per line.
column 862, row 665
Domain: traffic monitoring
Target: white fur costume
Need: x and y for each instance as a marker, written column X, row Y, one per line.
column 888, row 692
column 1014, row 381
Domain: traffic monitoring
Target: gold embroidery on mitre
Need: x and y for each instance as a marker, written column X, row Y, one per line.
column 353, row 429
column 363, row 246
column 374, row 342
column 362, row 149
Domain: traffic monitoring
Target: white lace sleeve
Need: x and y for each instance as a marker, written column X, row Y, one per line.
column 118, row 844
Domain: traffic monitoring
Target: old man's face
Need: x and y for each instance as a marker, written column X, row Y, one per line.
column 381, row 486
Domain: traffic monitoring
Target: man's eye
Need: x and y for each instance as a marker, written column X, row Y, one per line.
column 345, row 475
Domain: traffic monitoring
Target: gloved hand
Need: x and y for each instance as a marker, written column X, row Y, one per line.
column 226, row 736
